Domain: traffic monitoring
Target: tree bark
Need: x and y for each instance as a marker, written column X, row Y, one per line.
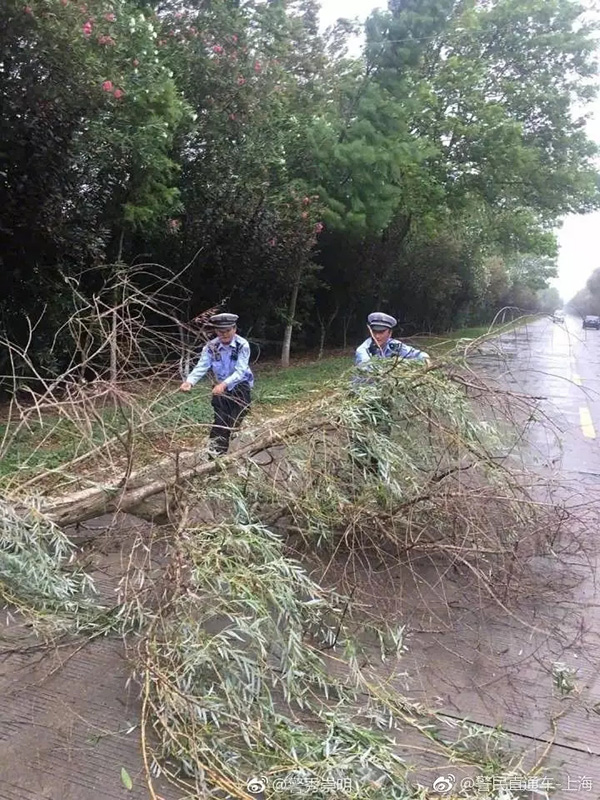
column 114, row 333
column 287, row 336
column 162, row 477
column 325, row 324
column 322, row 338
column 114, row 339
column 345, row 325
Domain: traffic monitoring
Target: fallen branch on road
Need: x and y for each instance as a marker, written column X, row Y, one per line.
column 249, row 665
column 174, row 471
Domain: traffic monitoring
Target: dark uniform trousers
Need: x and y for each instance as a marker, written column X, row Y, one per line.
column 230, row 408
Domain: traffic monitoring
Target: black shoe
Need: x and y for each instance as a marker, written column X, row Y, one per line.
column 214, row 451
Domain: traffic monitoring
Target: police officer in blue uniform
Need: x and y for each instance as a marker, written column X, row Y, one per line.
column 228, row 356
column 381, row 344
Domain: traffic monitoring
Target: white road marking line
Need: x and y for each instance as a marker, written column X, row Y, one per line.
column 585, row 420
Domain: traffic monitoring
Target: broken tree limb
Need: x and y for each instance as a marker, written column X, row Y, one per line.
column 168, row 473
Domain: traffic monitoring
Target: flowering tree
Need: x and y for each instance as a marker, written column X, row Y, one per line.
column 193, row 132
column 255, row 78
column 88, row 118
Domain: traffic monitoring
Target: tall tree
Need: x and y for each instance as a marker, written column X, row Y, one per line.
column 87, row 119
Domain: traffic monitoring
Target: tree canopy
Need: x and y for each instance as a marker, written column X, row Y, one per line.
column 241, row 146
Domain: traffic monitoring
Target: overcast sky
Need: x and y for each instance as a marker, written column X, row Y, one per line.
column 579, row 237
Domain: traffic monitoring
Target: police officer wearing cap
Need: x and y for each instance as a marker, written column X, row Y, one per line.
column 228, row 356
column 380, row 343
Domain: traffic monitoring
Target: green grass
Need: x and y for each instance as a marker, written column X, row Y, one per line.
column 58, row 441
column 275, row 385
column 49, row 444
column 24, row 455
column 441, row 343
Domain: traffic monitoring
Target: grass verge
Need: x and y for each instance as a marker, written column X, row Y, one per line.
column 47, row 441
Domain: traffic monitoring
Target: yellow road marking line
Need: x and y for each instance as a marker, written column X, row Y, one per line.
column 577, row 380
column 585, row 420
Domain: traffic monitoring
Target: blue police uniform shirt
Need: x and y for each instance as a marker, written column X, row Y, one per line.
column 229, row 362
column 393, row 348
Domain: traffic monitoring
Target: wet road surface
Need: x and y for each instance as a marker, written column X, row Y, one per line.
column 503, row 667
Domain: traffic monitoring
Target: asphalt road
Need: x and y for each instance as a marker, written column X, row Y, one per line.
column 559, row 363
column 499, row 667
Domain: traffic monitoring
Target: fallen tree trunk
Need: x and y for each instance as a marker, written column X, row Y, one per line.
column 163, row 476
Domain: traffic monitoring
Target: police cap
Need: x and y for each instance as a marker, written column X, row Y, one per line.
column 381, row 322
column 223, row 321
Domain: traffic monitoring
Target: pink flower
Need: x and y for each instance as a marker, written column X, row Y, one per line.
column 304, row 215
column 241, row 80
column 232, row 116
column 319, row 227
column 174, row 225
column 272, row 242
column 108, row 40
column 110, row 17
column 136, row 63
column 28, row 10
column 306, row 201
column 234, row 38
column 118, row 93
column 64, row 2
column 107, row 86
column 217, row 49
column 257, row 67
column 87, row 28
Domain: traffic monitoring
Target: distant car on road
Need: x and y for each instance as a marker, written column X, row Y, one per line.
column 591, row 321
column 558, row 316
